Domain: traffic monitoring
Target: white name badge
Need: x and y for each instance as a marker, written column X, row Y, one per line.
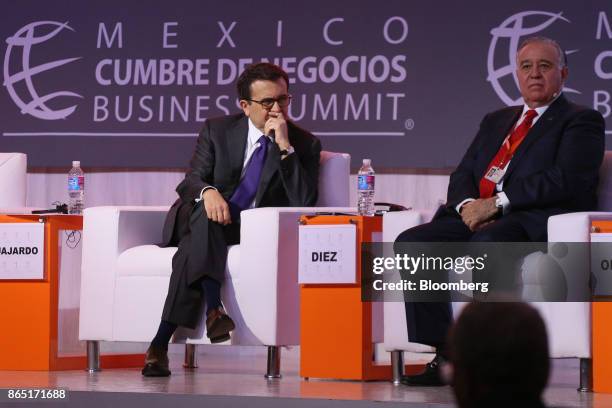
column 495, row 174
column 22, row 250
column 327, row 254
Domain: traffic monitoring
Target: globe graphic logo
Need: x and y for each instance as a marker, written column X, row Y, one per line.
column 19, row 50
column 512, row 30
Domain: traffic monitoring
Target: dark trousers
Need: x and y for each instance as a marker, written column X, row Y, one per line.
column 428, row 323
column 202, row 252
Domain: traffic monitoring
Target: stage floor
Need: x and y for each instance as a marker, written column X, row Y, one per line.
column 236, row 379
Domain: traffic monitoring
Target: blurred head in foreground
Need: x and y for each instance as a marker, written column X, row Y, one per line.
column 499, row 356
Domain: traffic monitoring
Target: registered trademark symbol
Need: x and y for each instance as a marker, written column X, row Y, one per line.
column 409, row 124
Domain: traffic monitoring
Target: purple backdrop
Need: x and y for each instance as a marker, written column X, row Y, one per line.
column 116, row 84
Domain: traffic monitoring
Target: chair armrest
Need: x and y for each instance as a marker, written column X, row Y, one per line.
column 394, row 223
column 574, row 227
column 107, row 232
column 13, row 179
column 394, row 315
column 574, row 316
column 269, row 270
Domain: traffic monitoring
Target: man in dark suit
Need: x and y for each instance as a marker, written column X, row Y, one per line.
column 525, row 164
column 254, row 159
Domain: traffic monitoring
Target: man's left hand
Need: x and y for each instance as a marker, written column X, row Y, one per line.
column 476, row 214
column 276, row 121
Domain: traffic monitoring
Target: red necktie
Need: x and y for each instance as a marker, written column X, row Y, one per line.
column 506, row 151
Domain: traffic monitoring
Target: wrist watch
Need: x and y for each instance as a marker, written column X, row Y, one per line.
column 287, row 151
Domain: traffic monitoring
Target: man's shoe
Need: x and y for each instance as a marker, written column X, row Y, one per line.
column 156, row 362
column 430, row 377
column 218, row 325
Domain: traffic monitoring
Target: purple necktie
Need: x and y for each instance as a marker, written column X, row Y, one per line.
column 245, row 192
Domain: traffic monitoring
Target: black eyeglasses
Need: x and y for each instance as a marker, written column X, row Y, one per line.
column 267, row 103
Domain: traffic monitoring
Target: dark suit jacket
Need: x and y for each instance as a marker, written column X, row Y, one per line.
column 218, row 161
column 554, row 170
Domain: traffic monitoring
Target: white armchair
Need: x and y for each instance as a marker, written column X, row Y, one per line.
column 13, row 180
column 125, row 275
column 395, row 328
column 568, row 324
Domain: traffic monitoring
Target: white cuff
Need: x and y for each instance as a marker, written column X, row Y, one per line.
column 461, row 204
column 197, row 200
column 504, row 201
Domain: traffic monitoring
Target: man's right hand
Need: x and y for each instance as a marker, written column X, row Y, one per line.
column 476, row 214
column 216, row 207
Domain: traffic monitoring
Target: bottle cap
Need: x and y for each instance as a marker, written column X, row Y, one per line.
column 367, row 162
column 76, row 163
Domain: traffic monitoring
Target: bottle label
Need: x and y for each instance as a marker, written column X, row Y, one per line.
column 365, row 182
column 76, row 183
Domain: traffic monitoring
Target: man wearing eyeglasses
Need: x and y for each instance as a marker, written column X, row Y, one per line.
column 257, row 158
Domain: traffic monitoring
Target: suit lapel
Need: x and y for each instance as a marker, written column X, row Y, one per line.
column 236, row 143
column 540, row 128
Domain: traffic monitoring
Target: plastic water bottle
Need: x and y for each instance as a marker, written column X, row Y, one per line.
column 76, row 188
column 365, row 189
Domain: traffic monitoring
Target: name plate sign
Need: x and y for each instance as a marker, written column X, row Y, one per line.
column 327, row 254
column 22, row 251
column 601, row 263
